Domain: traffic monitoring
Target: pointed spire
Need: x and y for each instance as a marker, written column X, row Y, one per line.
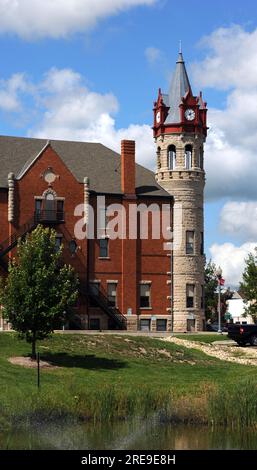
column 179, row 86
column 180, row 55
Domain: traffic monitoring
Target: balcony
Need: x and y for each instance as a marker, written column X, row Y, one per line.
column 49, row 216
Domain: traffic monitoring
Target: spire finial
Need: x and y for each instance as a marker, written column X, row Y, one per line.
column 180, row 55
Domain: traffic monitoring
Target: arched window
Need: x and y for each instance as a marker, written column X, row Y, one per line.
column 50, row 206
column 201, row 158
column 188, row 157
column 171, row 157
column 158, row 153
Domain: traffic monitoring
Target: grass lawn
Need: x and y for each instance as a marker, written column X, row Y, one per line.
column 109, row 376
column 206, row 338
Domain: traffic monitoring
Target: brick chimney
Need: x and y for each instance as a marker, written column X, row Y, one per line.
column 128, row 169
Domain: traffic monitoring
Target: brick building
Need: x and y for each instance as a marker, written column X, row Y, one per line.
column 128, row 282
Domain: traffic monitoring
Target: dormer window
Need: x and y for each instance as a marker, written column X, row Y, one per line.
column 171, row 157
column 188, row 157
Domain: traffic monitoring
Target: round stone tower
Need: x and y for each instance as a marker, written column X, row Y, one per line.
column 180, row 131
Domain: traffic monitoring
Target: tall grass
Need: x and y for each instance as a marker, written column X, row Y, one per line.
column 235, row 407
column 108, row 403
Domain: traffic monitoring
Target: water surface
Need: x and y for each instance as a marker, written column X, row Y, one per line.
column 128, row 435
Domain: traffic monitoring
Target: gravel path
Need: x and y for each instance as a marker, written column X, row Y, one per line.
column 224, row 352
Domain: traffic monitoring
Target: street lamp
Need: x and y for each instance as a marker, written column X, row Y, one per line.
column 219, row 277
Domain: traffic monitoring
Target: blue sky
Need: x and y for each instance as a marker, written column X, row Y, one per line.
column 105, row 60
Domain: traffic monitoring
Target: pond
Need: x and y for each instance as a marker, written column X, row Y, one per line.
column 148, row 434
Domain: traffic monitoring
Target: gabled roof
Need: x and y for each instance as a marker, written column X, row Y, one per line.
column 99, row 163
column 178, row 89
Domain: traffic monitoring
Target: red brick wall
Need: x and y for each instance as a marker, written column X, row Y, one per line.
column 128, row 169
column 130, row 261
column 4, row 230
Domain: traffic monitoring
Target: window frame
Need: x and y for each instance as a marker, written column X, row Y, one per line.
column 149, row 285
column 58, row 245
column 98, row 324
column 147, row 321
column 172, row 157
column 164, row 320
column 190, row 246
column 110, row 295
column 202, row 297
column 190, row 300
column 188, row 157
column 106, row 255
column 202, row 243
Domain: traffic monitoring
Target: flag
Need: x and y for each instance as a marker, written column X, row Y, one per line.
column 221, row 281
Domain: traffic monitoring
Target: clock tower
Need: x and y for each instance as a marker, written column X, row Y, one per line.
column 180, row 130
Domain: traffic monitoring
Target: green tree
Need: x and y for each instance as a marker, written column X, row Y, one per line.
column 39, row 289
column 248, row 287
column 211, row 284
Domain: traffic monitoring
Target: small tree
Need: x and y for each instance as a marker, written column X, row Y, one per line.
column 39, row 289
column 211, row 284
column 248, row 287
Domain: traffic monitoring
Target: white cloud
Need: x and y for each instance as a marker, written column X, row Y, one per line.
column 232, row 59
column 153, row 55
column 32, row 19
column 69, row 110
column 232, row 141
column 10, row 90
column 231, row 258
column 240, row 219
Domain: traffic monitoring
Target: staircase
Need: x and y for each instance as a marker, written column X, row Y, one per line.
column 100, row 297
column 39, row 217
column 10, row 242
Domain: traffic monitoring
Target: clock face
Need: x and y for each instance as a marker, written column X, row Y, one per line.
column 190, row 114
column 158, row 117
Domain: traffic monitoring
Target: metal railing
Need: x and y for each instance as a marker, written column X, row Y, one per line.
column 12, row 241
column 43, row 216
column 49, row 216
column 100, row 297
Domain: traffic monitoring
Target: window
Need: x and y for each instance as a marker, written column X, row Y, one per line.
column 158, row 153
column 145, row 325
column 190, row 238
column 94, row 288
column 202, row 244
column 50, row 207
column 104, row 242
column 171, row 157
column 112, row 294
column 190, row 325
column 94, row 324
column 202, row 297
column 73, row 247
column 103, row 219
column 60, row 209
column 201, row 158
column 161, row 325
column 58, row 242
column 38, row 206
column 188, row 157
column 145, row 299
column 190, row 295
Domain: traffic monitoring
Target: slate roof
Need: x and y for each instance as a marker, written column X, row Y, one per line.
column 179, row 86
column 101, row 164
